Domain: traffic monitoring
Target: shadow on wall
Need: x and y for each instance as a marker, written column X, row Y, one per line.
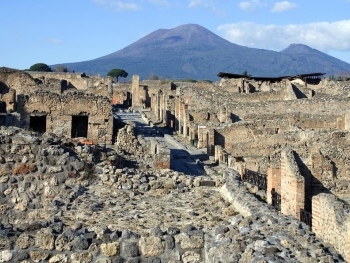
column 298, row 92
column 219, row 139
column 181, row 161
column 234, row 118
column 3, row 88
column 2, row 107
column 313, row 186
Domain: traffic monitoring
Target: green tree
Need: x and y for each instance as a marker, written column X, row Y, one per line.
column 40, row 67
column 117, row 72
column 189, row 80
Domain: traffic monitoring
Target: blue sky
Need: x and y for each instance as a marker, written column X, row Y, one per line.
column 62, row 31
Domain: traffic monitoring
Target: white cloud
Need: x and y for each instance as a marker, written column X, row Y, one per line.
column 323, row 36
column 283, row 6
column 250, row 5
column 118, row 5
column 56, row 41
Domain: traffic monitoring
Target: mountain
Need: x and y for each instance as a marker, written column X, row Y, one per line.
column 192, row 51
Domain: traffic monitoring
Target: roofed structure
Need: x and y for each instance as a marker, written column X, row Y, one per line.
column 271, row 79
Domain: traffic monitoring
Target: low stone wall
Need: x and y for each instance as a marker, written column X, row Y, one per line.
column 331, row 221
column 273, row 237
column 49, row 244
column 79, row 81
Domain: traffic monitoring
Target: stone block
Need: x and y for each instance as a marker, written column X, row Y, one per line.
column 151, row 246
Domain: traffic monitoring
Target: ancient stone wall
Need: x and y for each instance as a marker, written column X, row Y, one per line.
column 161, row 155
column 8, row 101
column 121, row 94
column 303, row 120
column 243, row 129
column 17, row 80
column 315, row 106
column 53, row 85
column 241, row 132
column 331, row 222
column 127, row 141
column 250, row 208
column 59, row 111
column 79, row 81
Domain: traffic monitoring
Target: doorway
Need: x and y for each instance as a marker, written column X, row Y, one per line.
column 37, row 123
column 79, row 126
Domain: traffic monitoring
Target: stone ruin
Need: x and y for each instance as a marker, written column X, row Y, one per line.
column 290, row 132
column 50, row 103
column 74, row 188
column 66, row 201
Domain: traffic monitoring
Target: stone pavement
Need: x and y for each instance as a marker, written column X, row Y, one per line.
column 184, row 159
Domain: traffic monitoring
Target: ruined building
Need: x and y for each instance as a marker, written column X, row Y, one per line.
column 72, row 105
column 289, row 136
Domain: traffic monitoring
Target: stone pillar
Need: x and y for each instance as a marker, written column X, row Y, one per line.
column 347, row 120
column 223, row 115
column 341, row 123
column 110, row 88
column 292, row 185
column 202, row 137
column 184, row 118
column 273, row 181
column 177, row 113
column 135, row 91
column 217, row 153
column 210, row 142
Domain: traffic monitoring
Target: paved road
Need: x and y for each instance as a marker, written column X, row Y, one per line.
column 183, row 158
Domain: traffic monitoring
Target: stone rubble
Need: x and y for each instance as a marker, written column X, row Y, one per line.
column 63, row 201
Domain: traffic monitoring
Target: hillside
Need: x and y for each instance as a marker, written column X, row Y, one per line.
column 192, row 51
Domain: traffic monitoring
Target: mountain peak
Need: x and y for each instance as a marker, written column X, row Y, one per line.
column 192, row 51
column 178, row 37
column 299, row 48
column 191, row 34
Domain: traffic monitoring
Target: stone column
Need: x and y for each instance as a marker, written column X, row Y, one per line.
column 347, row 120
column 135, row 90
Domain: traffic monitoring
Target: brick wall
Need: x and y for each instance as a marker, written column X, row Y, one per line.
column 292, row 185
column 273, row 182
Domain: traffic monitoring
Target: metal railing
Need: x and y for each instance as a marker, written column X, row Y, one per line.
column 255, row 178
column 306, row 217
column 276, row 199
